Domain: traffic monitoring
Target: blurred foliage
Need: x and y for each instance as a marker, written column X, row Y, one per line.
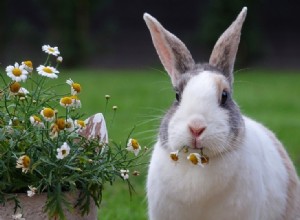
column 219, row 14
column 71, row 24
column 92, row 28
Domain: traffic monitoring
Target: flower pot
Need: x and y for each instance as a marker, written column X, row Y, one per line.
column 32, row 208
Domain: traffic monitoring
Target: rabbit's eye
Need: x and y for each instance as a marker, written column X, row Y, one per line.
column 177, row 96
column 224, row 97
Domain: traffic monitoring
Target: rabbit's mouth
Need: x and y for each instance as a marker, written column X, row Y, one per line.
column 194, row 155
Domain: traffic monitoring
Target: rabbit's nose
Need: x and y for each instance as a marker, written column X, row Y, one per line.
column 196, row 131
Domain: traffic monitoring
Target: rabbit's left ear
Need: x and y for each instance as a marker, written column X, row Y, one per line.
column 225, row 50
column 173, row 54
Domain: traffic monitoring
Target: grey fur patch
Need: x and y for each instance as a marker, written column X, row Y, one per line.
column 235, row 122
column 183, row 59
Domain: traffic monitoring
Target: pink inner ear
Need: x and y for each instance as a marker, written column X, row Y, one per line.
column 162, row 49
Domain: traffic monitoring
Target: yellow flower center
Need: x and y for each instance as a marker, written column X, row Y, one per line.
column 135, row 144
column 17, row 72
column 48, row 112
column 51, row 49
column 76, row 87
column 193, row 159
column 15, row 87
column 66, row 100
column 61, row 123
column 63, row 152
column 47, row 70
column 68, row 125
column 36, row 118
column 74, row 97
column 15, row 122
column 81, row 123
column 174, row 156
column 204, row 159
column 28, row 63
column 25, row 161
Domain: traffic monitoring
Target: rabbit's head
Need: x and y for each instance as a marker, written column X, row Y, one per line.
column 204, row 115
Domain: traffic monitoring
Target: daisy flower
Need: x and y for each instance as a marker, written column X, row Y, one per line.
column 174, row 156
column 14, row 122
column 24, row 163
column 76, row 101
column 14, row 87
column 36, row 121
column 80, row 124
column 32, row 191
column 61, row 123
column 63, row 151
column 48, row 114
column 195, row 158
column 69, row 125
column 50, row 50
column 124, row 174
column 75, row 87
column 17, row 72
column 133, row 146
column 59, row 59
column 28, row 66
column 47, row 71
column 23, row 92
column 66, row 102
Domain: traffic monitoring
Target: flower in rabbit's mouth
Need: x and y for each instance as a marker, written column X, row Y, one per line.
column 195, row 158
column 133, row 146
column 198, row 159
column 24, row 163
column 174, row 155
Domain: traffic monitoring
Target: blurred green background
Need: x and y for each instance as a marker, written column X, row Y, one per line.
column 112, row 34
column 108, row 50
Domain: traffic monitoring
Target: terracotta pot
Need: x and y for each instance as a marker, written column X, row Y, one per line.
column 32, row 208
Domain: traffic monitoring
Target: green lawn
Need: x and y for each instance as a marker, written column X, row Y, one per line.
column 142, row 97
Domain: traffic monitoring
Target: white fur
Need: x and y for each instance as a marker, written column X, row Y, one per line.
column 249, row 176
column 247, row 183
column 200, row 103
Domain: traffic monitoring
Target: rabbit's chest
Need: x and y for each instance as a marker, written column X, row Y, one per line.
column 187, row 183
column 185, row 191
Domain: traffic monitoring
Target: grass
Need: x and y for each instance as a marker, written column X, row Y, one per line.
column 142, row 97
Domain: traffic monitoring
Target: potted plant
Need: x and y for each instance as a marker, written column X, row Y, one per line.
column 52, row 162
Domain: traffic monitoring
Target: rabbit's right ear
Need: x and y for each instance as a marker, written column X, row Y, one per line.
column 173, row 54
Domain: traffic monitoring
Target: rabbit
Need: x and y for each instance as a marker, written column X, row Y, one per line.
column 247, row 174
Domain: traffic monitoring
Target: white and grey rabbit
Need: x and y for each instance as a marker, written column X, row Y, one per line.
column 249, row 175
